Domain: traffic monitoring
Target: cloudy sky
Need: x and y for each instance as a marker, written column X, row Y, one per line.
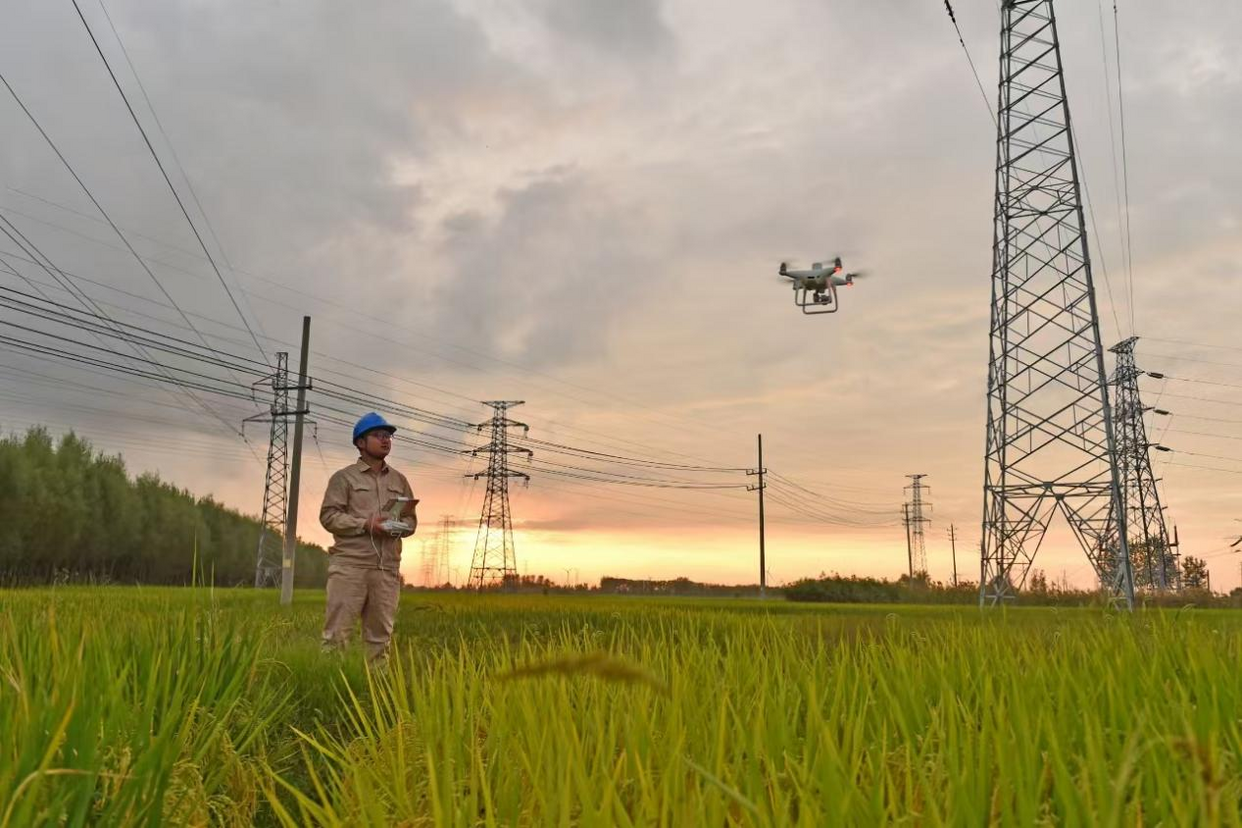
column 581, row 204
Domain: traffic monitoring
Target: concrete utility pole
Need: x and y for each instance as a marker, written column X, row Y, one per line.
column 295, row 473
column 953, row 544
column 760, row 472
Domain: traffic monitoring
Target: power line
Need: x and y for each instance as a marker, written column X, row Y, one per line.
column 1125, row 164
column 1195, row 344
column 1209, row 456
column 1205, row 434
column 1112, row 147
column 1095, row 231
column 1181, row 358
column 82, row 184
column 168, row 181
column 970, row 60
column 176, row 159
column 40, row 349
column 1204, row 468
column 1209, row 419
column 817, row 515
column 87, row 321
column 854, row 504
column 625, row 460
column 62, row 314
column 545, row 425
column 35, row 284
column 642, row 483
column 1191, row 379
column 437, row 354
column 1201, row 399
column 822, row 507
column 60, row 277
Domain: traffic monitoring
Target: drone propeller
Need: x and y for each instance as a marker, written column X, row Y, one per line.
column 787, row 265
column 862, row 274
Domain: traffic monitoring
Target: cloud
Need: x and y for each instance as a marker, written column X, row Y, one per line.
column 582, row 204
column 630, row 30
column 543, row 279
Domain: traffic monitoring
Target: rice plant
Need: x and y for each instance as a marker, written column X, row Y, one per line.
column 175, row 706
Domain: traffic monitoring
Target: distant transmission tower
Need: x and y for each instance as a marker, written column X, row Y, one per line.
column 1050, row 441
column 494, row 560
column 916, row 541
column 437, row 553
column 275, row 482
column 444, row 548
column 1153, row 558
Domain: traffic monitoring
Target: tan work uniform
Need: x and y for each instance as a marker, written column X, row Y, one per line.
column 364, row 572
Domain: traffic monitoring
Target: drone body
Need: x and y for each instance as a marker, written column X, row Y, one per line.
column 815, row 290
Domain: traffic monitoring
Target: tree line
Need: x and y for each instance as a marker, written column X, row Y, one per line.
column 71, row 514
column 1038, row 590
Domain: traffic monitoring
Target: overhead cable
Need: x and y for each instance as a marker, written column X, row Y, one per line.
column 168, row 181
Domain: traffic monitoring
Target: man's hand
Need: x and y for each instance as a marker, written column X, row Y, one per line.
column 412, row 522
column 375, row 525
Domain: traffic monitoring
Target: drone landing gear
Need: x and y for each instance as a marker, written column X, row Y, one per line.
column 813, row 303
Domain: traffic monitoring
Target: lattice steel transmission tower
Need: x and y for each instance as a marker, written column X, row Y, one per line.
column 437, row 552
column 494, row 561
column 1050, row 440
column 276, row 481
column 1154, row 559
column 915, row 520
column 444, row 547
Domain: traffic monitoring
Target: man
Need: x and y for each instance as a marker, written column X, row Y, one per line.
column 364, row 572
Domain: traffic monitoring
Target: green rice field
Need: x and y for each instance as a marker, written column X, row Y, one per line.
column 138, row 706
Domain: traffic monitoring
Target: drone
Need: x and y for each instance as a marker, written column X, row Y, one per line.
column 815, row 290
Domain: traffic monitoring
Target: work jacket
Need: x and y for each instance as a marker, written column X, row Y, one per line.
column 354, row 494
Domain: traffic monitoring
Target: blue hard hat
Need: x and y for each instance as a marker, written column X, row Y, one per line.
column 370, row 422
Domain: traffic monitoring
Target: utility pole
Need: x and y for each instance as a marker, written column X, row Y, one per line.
column 915, row 539
column 1153, row 559
column 1050, row 443
column 760, row 472
column 953, row 545
column 295, row 473
column 276, row 480
column 495, row 561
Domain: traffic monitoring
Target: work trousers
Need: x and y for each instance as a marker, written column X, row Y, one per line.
column 366, row 592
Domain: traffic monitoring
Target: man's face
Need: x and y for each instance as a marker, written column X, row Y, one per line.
column 376, row 443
